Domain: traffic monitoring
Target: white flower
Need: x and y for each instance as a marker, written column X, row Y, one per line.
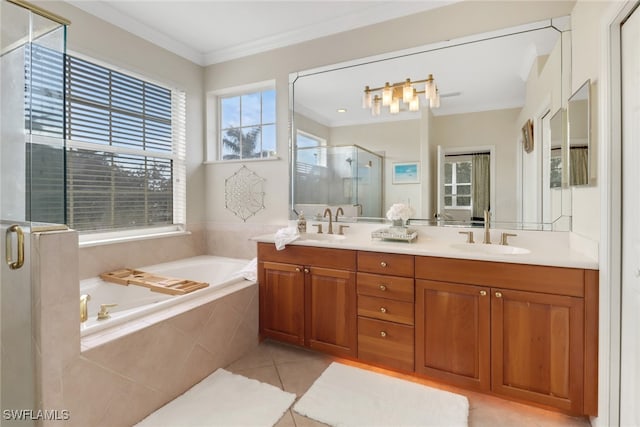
column 400, row 211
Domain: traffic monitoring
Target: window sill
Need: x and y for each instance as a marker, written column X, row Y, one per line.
column 222, row 162
column 88, row 241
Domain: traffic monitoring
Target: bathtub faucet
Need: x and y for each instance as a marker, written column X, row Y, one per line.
column 84, row 314
column 103, row 314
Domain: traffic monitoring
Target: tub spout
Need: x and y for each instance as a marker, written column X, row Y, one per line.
column 84, row 315
column 104, row 311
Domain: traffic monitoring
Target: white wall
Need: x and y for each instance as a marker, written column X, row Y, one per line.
column 452, row 21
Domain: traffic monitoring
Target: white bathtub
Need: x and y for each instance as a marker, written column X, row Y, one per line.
column 136, row 302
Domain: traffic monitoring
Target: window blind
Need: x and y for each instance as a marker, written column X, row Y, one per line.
column 125, row 150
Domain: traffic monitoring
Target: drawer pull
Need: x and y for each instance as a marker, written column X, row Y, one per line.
column 383, row 334
column 383, row 310
column 483, row 293
column 498, row 294
column 383, row 287
column 383, row 264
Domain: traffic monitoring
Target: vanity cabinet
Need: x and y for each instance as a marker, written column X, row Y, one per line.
column 522, row 331
column 308, row 297
column 386, row 309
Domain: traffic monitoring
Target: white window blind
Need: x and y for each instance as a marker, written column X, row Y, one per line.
column 125, row 150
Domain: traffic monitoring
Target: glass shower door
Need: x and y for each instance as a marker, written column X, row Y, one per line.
column 31, row 187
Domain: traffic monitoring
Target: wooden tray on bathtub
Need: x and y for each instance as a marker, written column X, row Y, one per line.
column 155, row 282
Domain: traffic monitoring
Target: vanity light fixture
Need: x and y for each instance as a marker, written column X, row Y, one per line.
column 390, row 95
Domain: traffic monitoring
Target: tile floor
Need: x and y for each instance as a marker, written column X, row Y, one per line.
column 294, row 369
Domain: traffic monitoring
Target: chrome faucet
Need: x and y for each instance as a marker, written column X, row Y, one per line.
column 328, row 211
column 339, row 212
column 84, row 314
column 487, row 235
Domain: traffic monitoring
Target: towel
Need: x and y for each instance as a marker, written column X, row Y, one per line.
column 284, row 236
column 250, row 271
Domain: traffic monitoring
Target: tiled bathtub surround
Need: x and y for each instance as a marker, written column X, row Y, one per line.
column 119, row 382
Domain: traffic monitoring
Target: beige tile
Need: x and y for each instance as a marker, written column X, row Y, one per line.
column 298, row 376
column 259, row 357
column 199, row 365
column 193, row 320
column 286, row 420
column 264, row 374
column 219, row 330
column 302, row 421
column 283, row 353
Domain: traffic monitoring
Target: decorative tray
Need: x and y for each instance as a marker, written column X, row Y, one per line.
column 402, row 234
column 155, row 282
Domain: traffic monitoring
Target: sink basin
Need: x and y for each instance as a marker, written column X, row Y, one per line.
column 490, row 249
column 315, row 237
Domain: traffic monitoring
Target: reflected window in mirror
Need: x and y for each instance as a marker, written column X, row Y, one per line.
column 555, row 168
column 579, row 129
column 310, row 149
column 467, row 179
column 247, row 125
column 457, row 183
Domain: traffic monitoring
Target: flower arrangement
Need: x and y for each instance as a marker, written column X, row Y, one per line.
column 400, row 211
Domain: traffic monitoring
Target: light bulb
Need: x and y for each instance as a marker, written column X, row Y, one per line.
column 394, row 108
column 407, row 92
column 414, row 105
column 366, row 98
column 435, row 101
column 375, row 107
column 387, row 94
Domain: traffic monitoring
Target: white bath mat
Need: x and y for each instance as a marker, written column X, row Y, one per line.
column 223, row 399
column 346, row 396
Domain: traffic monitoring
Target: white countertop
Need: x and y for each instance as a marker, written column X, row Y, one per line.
column 559, row 249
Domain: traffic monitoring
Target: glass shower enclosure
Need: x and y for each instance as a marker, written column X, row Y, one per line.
column 331, row 176
column 32, row 185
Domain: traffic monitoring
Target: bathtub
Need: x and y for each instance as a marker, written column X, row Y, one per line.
column 137, row 302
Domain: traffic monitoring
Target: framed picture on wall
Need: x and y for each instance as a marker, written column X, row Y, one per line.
column 405, row 173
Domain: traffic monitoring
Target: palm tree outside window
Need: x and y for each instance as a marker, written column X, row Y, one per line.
column 248, row 125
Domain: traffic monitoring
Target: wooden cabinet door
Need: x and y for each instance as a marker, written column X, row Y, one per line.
column 538, row 348
column 452, row 333
column 282, row 301
column 330, row 322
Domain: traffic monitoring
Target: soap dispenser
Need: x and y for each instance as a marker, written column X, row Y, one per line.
column 302, row 223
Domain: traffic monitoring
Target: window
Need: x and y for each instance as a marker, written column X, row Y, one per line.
column 556, row 168
column 125, row 162
column 457, row 183
column 247, row 125
column 310, row 149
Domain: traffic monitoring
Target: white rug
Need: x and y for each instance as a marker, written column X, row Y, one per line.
column 348, row 396
column 223, row 399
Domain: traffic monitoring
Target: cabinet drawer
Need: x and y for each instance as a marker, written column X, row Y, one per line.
column 385, row 309
column 385, row 343
column 391, row 287
column 383, row 263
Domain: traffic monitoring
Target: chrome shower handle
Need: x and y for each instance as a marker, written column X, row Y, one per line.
column 14, row 265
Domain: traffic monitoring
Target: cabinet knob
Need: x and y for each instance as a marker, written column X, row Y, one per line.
column 383, row 310
column 498, row 294
column 383, row 287
column 483, row 293
column 306, row 270
column 383, row 334
column 383, row 264
column 298, row 269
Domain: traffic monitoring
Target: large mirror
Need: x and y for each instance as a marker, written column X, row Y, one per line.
column 451, row 156
column 578, row 130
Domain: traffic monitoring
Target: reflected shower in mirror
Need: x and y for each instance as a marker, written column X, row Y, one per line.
column 487, row 86
column 579, row 135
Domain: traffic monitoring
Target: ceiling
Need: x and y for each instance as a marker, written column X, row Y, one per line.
column 479, row 73
column 213, row 31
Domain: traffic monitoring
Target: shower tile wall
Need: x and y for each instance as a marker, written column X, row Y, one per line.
column 119, row 382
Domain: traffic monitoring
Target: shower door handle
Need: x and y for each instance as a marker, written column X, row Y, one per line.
column 14, row 265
